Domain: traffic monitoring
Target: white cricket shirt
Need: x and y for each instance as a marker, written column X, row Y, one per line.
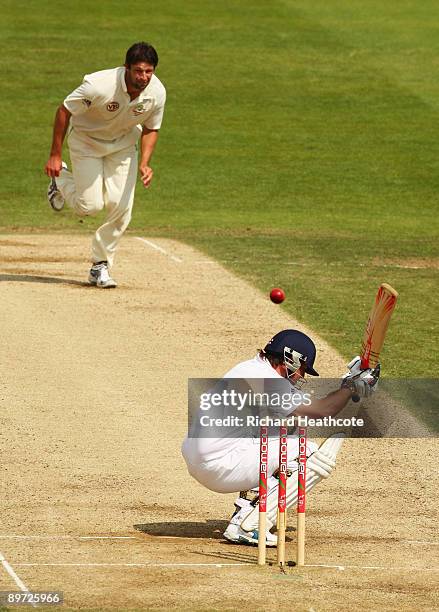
column 254, row 368
column 101, row 106
column 197, row 449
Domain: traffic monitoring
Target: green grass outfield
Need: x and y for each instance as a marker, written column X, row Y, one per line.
column 300, row 145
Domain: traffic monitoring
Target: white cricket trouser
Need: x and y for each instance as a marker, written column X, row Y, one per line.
column 238, row 469
column 103, row 174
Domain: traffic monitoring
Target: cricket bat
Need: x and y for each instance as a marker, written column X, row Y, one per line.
column 376, row 327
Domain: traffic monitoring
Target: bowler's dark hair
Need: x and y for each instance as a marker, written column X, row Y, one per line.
column 141, row 52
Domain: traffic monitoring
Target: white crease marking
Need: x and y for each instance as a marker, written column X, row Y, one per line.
column 14, row 576
column 160, row 249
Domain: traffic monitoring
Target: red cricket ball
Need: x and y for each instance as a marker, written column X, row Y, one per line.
column 277, row 295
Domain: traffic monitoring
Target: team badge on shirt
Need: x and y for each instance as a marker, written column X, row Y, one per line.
column 141, row 107
column 112, row 106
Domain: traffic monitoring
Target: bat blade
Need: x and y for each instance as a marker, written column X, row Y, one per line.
column 376, row 328
column 377, row 324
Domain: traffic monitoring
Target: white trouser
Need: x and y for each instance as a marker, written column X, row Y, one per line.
column 103, row 174
column 238, row 469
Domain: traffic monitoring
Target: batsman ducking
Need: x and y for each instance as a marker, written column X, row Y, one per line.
column 277, row 467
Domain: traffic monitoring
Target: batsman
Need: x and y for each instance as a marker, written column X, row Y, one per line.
column 230, row 464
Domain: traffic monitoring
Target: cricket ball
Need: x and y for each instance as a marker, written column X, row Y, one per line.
column 277, row 295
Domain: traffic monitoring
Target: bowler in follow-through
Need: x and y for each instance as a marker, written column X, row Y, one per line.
column 105, row 116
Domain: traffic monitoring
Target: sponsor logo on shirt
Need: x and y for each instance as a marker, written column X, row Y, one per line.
column 86, row 102
column 112, row 106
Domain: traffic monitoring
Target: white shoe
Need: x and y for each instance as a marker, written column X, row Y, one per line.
column 100, row 277
column 54, row 195
column 234, row 533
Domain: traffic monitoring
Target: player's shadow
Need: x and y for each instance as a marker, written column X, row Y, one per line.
column 192, row 529
column 239, row 553
column 207, row 529
column 27, row 278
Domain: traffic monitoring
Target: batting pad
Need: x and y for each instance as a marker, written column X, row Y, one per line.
column 318, row 466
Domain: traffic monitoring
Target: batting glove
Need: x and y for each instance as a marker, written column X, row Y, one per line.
column 362, row 383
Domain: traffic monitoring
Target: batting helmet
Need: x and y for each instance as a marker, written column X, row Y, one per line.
column 293, row 346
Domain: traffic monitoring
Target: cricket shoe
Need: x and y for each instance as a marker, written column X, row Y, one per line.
column 54, row 195
column 234, row 533
column 100, row 277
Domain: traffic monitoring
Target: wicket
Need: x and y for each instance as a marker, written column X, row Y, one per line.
column 282, row 496
column 263, row 463
column 282, row 491
column 301, row 497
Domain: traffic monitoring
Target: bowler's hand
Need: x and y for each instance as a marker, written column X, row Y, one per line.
column 53, row 166
column 146, row 174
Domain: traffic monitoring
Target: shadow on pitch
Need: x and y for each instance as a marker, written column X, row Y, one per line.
column 26, row 278
column 249, row 556
column 207, row 529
